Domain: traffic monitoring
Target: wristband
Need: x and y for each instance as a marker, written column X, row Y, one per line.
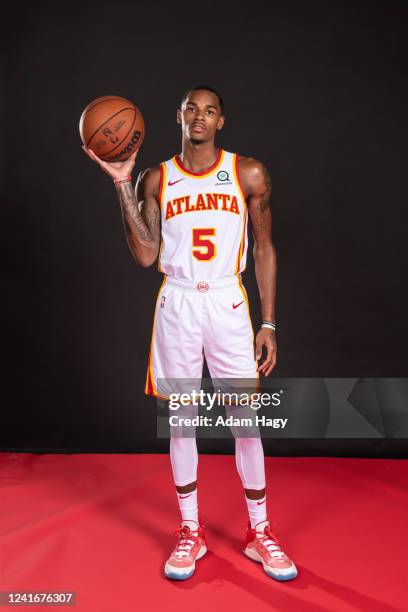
column 269, row 325
column 122, row 179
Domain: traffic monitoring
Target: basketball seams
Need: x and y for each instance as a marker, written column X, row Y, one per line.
column 110, row 119
column 123, row 139
column 101, row 101
column 88, row 109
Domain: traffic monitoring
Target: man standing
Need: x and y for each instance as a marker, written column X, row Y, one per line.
column 192, row 212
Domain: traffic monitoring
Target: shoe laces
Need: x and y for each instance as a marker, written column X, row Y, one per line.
column 187, row 539
column 271, row 543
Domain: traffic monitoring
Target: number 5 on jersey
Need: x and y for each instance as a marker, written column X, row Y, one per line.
column 204, row 248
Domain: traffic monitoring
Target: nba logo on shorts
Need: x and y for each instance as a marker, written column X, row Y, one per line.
column 162, row 301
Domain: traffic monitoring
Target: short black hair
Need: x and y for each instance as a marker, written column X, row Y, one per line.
column 206, row 88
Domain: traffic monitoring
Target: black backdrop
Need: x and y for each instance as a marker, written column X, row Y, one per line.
column 316, row 90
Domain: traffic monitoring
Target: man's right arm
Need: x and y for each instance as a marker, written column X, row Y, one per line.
column 141, row 216
column 140, row 207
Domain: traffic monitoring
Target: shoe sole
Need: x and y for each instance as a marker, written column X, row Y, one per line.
column 289, row 573
column 174, row 573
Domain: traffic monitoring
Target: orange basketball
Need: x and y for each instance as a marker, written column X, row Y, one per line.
column 112, row 127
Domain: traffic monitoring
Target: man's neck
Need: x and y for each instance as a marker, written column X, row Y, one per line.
column 198, row 157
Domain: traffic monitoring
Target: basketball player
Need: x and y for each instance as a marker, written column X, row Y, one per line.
column 192, row 213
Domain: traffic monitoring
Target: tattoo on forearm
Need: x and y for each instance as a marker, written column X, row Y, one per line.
column 147, row 225
column 151, row 215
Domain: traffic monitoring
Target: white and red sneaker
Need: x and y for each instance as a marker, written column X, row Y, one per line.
column 190, row 547
column 263, row 546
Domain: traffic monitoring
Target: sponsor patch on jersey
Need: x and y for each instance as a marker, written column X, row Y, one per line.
column 222, row 175
column 223, row 178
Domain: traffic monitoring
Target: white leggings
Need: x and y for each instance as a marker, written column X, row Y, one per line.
column 249, row 455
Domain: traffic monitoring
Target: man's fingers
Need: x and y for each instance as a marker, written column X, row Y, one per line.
column 92, row 155
column 97, row 160
column 89, row 152
column 134, row 155
column 265, row 364
column 272, row 364
column 269, row 349
column 269, row 362
column 269, row 370
column 258, row 353
column 266, row 367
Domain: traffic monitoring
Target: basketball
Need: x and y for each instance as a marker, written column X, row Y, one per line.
column 112, row 127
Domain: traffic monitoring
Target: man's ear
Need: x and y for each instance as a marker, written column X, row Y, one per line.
column 178, row 116
column 221, row 122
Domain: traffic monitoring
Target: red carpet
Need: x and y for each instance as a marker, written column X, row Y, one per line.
column 102, row 525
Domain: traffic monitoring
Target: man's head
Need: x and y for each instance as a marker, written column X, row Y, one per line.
column 201, row 114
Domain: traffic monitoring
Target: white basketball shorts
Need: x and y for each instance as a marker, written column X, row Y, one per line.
column 196, row 319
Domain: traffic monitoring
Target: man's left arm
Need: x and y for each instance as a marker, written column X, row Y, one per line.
column 256, row 182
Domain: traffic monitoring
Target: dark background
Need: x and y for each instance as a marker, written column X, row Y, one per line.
column 317, row 91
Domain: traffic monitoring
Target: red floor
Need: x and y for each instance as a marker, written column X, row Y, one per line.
column 102, row 525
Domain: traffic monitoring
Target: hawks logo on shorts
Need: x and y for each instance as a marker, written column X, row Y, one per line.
column 204, row 220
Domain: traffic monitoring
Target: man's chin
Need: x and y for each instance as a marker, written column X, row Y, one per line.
column 197, row 141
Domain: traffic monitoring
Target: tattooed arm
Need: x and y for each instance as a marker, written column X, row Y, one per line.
column 140, row 208
column 256, row 183
column 141, row 216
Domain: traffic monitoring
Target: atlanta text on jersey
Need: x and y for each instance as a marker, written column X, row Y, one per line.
column 206, row 201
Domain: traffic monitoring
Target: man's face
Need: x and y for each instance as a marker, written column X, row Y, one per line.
column 200, row 116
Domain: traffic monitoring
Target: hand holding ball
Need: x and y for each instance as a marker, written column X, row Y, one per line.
column 112, row 127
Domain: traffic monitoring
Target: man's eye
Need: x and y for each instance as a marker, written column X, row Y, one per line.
column 210, row 112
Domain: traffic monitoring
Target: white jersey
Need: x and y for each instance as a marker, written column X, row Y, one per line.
column 203, row 220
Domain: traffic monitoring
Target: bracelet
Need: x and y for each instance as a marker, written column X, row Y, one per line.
column 123, row 179
column 269, row 325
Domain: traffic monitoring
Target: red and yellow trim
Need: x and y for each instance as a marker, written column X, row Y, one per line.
column 244, row 293
column 158, row 261
column 162, row 183
column 241, row 192
column 180, row 166
column 150, row 387
column 242, row 244
column 162, row 187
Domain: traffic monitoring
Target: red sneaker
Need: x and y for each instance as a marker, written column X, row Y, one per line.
column 263, row 546
column 190, row 547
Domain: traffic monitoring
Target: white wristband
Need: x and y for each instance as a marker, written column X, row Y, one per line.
column 268, row 325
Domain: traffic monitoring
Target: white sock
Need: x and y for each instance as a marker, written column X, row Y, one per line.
column 256, row 510
column 188, row 505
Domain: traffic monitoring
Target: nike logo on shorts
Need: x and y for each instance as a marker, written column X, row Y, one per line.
column 260, row 503
column 236, row 305
column 184, row 496
column 170, row 183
